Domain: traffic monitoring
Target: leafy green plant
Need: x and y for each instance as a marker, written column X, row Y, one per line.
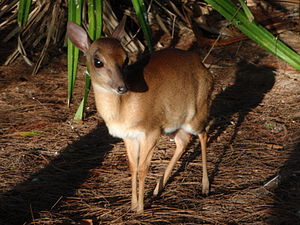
column 74, row 14
column 95, row 8
column 141, row 12
column 240, row 18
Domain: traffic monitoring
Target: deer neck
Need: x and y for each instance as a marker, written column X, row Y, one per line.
column 108, row 105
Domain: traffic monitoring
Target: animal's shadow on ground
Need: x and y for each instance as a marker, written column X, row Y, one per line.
column 251, row 84
column 286, row 207
column 62, row 177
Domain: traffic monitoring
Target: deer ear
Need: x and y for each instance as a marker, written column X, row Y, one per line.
column 119, row 31
column 78, row 36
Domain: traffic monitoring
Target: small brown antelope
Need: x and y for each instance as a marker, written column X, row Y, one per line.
column 167, row 91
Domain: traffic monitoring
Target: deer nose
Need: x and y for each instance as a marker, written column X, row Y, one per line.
column 122, row 89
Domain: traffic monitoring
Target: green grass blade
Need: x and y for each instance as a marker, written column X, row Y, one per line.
column 95, row 8
column 141, row 14
column 30, row 133
column 27, row 11
column 23, row 11
column 247, row 10
column 255, row 31
column 99, row 20
column 71, row 47
column 74, row 14
column 80, row 111
column 91, row 19
column 143, row 9
column 91, row 30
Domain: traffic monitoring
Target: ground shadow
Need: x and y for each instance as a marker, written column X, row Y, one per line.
column 60, row 178
column 7, row 47
column 286, row 208
column 251, row 84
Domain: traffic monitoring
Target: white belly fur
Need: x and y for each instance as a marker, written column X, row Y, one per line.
column 125, row 132
column 185, row 127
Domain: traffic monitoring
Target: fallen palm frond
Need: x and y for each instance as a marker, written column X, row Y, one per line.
column 40, row 26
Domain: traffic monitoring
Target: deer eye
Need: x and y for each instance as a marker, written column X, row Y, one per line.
column 98, row 63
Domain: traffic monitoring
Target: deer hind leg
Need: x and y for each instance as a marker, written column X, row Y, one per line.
column 182, row 139
column 205, row 181
column 147, row 146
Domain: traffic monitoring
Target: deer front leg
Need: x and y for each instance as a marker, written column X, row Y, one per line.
column 132, row 148
column 147, row 146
